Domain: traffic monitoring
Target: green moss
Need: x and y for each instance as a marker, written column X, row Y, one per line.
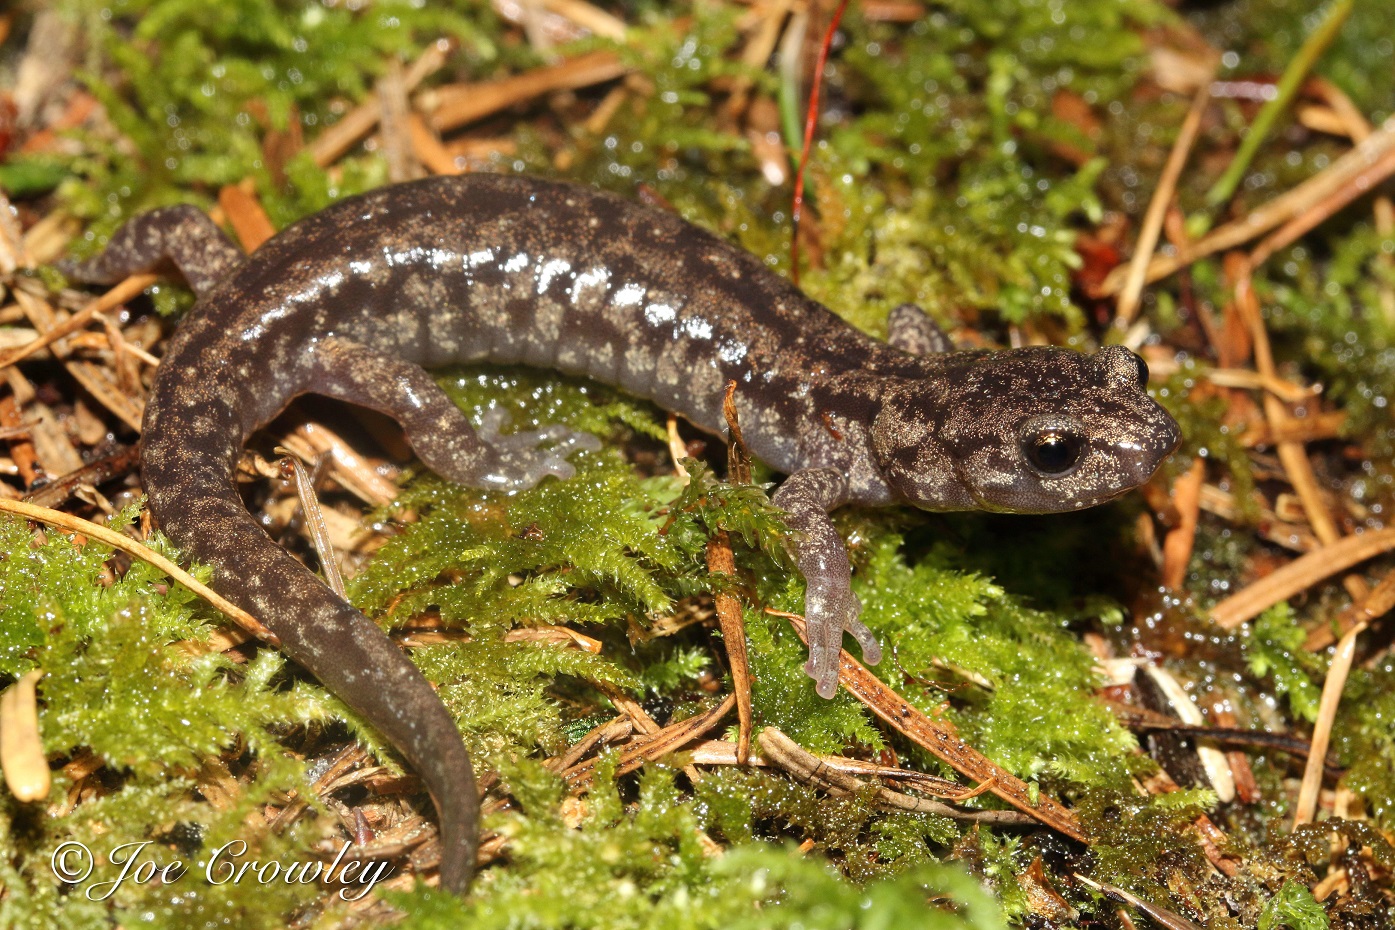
column 941, row 190
column 970, row 212
column 1329, row 315
column 606, row 546
column 1037, row 716
column 943, row 176
column 1200, row 412
column 1293, row 907
column 1267, row 34
column 1364, row 739
column 646, row 865
column 1274, row 649
column 1141, row 842
column 115, row 685
column 198, row 86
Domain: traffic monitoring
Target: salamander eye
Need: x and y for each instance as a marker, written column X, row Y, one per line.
column 1053, row 452
column 1142, row 367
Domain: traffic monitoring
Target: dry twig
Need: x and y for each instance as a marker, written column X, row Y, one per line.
column 811, row 769
column 941, row 740
column 459, row 104
column 1332, row 688
column 1299, row 575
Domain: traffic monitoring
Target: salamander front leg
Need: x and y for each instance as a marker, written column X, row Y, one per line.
column 183, row 235
column 830, row 607
column 439, row 433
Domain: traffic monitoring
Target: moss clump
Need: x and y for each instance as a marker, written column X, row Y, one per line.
column 939, row 185
column 160, row 720
column 648, row 864
column 1274, row 650
column 607, row 545
column 1139, row 842
column 1364, row 739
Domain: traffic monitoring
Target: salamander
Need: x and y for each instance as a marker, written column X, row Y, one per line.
column 358, row 301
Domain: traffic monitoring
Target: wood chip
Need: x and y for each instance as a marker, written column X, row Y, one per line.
column 245, row 214
column 52, row 445
column 21, row 747
column 21, row 445
column 1213, row 761
column 1177, row 545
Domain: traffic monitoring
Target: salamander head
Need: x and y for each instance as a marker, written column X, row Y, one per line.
column 1035, row 430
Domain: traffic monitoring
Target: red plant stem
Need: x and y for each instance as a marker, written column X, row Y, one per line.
column 811, row 118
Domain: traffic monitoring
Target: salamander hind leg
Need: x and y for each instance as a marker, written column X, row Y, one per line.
column 437, row 430
column 830, row 606
column 183, row 235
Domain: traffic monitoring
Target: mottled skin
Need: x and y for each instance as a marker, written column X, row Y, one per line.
column 357, row 301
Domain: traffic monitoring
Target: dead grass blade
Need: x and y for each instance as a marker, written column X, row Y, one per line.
column 118, row 295
column 331, row 144
column 98, row 381
column 655, row 745
column 314, row 520
column 1292, row 455
column 1332, row 688
column 1157, row 209
column 1366, row 611
column 1166, row 918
